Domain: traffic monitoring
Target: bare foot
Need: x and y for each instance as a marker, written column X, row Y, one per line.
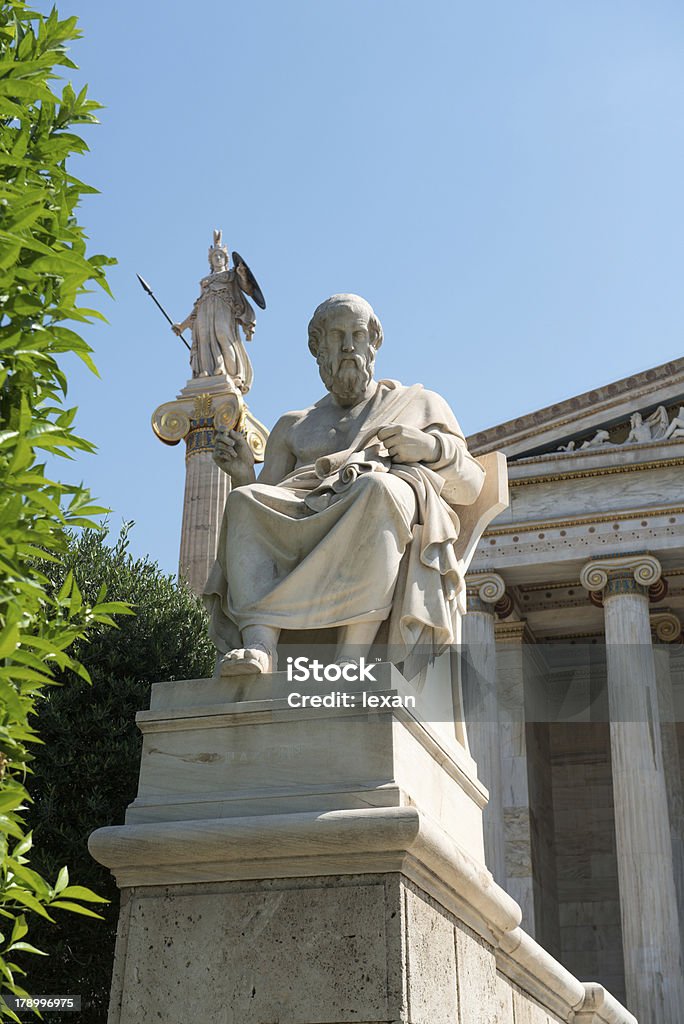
column 246, row 661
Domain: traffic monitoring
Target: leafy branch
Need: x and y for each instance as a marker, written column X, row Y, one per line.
column 44, row 272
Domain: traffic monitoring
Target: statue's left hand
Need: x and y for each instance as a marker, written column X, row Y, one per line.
column 409, row 444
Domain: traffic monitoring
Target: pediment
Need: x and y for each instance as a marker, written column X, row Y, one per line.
column 641, row 409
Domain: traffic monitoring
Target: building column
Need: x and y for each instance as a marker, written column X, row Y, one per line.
column 648, row 900
column 667, row 629
column 484, row 592
column 512, row 639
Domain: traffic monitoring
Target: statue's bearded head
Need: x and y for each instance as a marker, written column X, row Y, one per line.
column 344, row 335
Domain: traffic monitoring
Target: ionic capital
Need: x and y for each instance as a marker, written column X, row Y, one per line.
column 487, row 586
column 195, row 416
column 666, row 627
column 486, row 592
column 623, row 574
column 176, row 421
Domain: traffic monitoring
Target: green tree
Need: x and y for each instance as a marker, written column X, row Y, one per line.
column 86, row 772
column 44, row 270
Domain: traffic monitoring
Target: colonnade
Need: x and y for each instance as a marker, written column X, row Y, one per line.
column 645, row 771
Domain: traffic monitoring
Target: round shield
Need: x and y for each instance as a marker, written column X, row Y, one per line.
column 253, row 289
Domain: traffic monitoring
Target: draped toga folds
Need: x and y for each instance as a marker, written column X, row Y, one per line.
column 352, row 537
column 216, row 343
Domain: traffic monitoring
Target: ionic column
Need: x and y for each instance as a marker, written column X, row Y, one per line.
column 484, row 591
column 648, row 900
column 204, row 405
column 512, row 640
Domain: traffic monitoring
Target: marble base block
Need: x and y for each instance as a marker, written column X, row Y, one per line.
column 340, row 948
column 317, row 866
column 223, row 749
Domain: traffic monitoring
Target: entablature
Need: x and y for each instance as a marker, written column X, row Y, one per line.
column 603, row 408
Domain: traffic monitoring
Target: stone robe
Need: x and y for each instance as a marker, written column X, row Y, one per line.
column 216, row 343
column 352, row 537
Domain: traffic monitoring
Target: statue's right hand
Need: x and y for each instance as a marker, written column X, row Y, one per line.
column 177, row 329
column 233, row 455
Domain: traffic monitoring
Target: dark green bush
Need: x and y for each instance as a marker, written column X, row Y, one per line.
column 86, row 773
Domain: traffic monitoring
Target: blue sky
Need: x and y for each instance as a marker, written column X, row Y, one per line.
column 502, row 181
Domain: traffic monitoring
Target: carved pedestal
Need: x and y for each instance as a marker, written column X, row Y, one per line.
column 318, row 865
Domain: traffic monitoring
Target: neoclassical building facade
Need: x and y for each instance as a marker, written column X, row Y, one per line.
column 574, row 682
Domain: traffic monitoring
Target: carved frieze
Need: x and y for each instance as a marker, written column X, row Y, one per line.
column 661, row 425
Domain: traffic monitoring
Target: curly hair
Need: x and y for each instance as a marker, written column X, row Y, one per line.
column 319, row 320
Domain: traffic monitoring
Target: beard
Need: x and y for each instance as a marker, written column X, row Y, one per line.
column 349, row 379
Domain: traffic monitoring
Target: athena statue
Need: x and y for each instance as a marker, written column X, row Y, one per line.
column 217, row 315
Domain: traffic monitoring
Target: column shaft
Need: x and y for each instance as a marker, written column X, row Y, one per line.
column 672, row 769
column 648, row 902
column 482, row 720
column 206, row 490
column 515, row 782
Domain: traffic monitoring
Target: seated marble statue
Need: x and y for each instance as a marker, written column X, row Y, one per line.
column 352, row 521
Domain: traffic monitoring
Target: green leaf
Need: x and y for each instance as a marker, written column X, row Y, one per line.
column 26, row 947
column 17, row 88
column 62, row 879
column 75, row 908
column 30, row 877
column 79, row 892
column 27, row 900
column 20, row 929
column 10, row 801
column 24, row 846
column 9, row 641
column 114, row 608
column 9, row 826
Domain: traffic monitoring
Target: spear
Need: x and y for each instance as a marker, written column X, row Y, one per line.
column 151, row 294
